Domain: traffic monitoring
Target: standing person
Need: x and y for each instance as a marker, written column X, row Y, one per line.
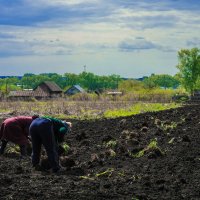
column 16, row 130
column 49, row 132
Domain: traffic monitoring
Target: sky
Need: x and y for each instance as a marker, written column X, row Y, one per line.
column 130, row 38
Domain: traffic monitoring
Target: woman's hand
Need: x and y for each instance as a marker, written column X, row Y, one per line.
column 69, row 124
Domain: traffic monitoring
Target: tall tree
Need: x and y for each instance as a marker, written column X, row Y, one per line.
column 189, row 66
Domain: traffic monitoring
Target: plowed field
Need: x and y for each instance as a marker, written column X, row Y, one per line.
column 147, row 156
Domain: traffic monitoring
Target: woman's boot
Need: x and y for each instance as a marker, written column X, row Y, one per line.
column 3, row 146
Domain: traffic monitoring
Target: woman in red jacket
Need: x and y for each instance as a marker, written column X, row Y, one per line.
column 16, row 130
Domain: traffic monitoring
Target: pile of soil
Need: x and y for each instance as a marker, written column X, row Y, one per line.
column 147, row 156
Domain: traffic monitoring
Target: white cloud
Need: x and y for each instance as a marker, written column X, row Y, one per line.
column 95, row 32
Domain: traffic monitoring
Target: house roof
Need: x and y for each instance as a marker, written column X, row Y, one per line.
column 52, row 86
column 77, row 87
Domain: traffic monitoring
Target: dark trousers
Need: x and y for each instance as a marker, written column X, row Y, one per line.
column 41, row 131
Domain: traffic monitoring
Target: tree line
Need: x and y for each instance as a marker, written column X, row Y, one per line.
column 188, row 77
column 87, row 80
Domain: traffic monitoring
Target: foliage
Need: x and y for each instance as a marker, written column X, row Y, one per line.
column 165, row 126
column 8, row 84
column 151, row 146
column 189, row 66
column 112, row 152
column 108, row 172
column 89, row 81
column 171, row 141
column 66, row 147
column 197, row 85
column 134, row 198
column 150, row 95
column 130, row 85
column 112, row 144
column 163, row 81
column 13, row 149
column 63, row 149
column 93, row 82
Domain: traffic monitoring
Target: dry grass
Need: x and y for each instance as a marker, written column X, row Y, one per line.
column 63, row 108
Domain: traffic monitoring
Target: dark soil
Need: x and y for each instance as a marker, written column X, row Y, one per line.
column 105, row 161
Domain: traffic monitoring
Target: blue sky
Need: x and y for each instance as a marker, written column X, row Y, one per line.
column 131, row 38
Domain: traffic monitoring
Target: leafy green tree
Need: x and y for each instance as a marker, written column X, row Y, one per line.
column 89, row 81
column 71, row 79
column 149, row 82
column 166, row 81
column 32, row 80
column 189, row 66
column 8, row 84
column 162, row 80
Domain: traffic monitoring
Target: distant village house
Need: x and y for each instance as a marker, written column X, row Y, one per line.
column 50, row 88
column 44, row 90
column 74, row 90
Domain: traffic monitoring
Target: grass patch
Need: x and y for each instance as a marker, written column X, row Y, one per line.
column 139, row 108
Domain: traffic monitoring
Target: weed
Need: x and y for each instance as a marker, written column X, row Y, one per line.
column 134, row 198
column 66, row 147
column 108, row 173
column 13, row 149
column 111, row 153
column 122, row 173
column 87, row 177
column 136, row 177
column 151, row 146
column 171, row 141
column 111, row 144
column 139, row 154
column 165, row 126
column 63, row 149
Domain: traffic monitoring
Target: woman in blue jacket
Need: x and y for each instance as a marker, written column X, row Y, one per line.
column 49, row 132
